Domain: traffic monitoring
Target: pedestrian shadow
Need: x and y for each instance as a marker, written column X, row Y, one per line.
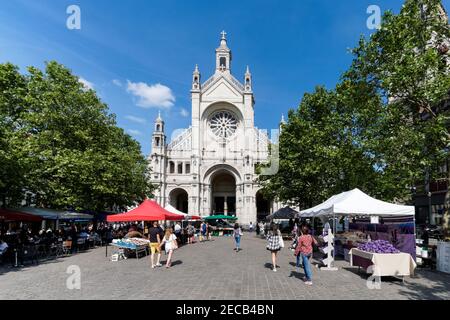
column 269, row 266
column 176, row 262
column 298, row 275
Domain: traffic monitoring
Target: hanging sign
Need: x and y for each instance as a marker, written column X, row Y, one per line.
column 375, row 220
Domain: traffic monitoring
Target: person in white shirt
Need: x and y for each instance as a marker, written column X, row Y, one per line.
column 177, row 230
column 170, row 242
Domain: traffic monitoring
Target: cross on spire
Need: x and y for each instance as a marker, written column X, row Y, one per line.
column 223, row 33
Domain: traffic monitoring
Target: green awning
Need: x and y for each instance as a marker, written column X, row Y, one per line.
column 223, row 217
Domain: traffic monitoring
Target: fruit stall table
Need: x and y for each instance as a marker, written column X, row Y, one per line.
column 133, row 245
column 384, row 264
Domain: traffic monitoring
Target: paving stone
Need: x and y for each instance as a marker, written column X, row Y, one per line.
column 210, row 270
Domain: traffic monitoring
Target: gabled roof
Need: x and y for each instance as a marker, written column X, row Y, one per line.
column 227, row 77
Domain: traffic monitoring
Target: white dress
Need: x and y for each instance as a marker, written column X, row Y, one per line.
column 169, row 244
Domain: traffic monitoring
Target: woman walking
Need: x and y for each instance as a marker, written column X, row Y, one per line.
column 274, row 244
column 237, row 233
column 170, row 241
column 304, row 250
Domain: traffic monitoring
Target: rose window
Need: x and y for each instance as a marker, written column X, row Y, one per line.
column 223, row 124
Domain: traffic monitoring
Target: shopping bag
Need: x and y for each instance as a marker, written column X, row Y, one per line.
column 281, row 242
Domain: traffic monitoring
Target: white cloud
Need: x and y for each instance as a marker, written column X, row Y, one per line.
column 117, row 82
column 134, row 132
column 88, row 85
column 151, row 96
column 184, row 113
column 135, row 119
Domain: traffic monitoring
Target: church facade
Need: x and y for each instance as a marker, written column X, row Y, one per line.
column 210, row 167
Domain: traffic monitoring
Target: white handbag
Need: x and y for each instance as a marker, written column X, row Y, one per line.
column 281, row 242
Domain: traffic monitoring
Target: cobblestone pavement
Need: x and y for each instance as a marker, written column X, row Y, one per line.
column 210, row 270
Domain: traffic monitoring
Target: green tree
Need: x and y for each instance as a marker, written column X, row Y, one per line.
column 318, row 153
column 383, row 126
column 406, row 63
column 12, row 94
column 69, row 149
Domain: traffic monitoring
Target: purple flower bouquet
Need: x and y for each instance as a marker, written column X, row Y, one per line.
column 378, row 246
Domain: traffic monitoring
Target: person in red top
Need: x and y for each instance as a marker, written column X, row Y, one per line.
column 305, row 250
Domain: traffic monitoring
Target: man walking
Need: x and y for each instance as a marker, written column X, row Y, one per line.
column 203, row 230
column 155, row 240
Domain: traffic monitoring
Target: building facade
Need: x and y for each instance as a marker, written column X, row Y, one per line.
column 210, row 168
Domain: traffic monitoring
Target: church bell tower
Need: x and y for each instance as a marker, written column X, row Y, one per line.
column 223, row 55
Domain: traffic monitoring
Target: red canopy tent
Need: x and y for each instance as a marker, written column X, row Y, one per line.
column 11, row 215
column 148, row 210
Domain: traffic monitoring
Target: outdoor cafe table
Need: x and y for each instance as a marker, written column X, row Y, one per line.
column 384, row 264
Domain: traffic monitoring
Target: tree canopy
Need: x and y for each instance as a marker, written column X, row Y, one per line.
column 385, row 124
column 60, row 145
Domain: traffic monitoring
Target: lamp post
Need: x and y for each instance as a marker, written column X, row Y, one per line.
column 430, row 213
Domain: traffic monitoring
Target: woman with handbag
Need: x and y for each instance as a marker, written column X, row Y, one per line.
column 170, row 242
column 274, row 244
column 304, row 250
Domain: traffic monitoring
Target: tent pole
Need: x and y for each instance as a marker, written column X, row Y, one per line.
column 334, row 237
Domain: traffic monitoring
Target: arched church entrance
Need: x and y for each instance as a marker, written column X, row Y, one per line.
column 179, row 199
column 223, row 193
column 262, row 206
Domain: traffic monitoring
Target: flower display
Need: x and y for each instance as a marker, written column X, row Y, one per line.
column 378, row 246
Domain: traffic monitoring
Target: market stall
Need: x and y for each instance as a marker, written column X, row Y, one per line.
column 185, row 215
column 130, row 246
column 11, row 219
column 148, row 210
column 222, row 227
column 52, row 218
column 285, row 213
column 367, row 219
column 395, row 264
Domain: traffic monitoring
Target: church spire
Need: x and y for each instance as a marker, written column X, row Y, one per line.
column 282, row 123
column 159, row 119
column 223, row 55
column 248, row 80
column 196, row 79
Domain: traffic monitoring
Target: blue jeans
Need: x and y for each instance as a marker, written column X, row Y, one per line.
column 238, row 241
column 298, row 264
column 307, row 266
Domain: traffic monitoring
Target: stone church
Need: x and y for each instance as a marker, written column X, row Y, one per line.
column 209, row 168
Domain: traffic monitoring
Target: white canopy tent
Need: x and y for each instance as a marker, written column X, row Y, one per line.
column 174, row 210
column 356, row 202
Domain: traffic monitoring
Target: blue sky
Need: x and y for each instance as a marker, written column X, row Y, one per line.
column 139, row 55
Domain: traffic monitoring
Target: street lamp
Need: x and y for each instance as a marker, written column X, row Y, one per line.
column 429, row 207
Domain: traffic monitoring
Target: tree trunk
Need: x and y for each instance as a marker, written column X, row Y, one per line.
column 446, row 217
